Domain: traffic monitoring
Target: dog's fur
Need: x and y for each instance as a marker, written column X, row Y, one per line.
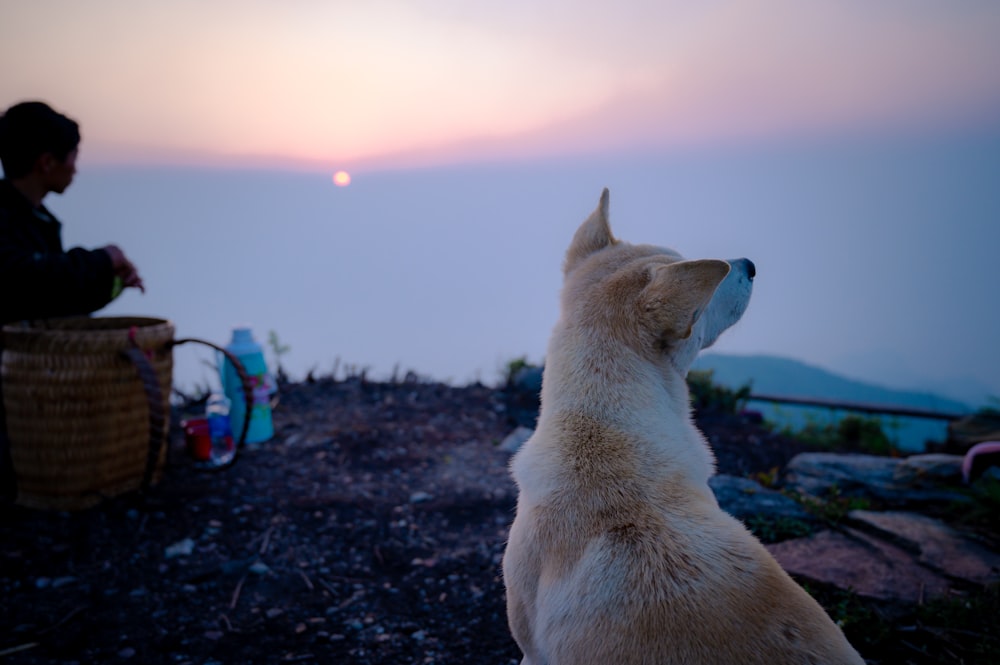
column 619, row 553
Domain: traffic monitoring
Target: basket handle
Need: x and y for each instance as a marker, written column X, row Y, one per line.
column 157, row 413
column 247, row 394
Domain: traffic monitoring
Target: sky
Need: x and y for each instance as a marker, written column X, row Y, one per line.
column 367, row 84
column 850, row 148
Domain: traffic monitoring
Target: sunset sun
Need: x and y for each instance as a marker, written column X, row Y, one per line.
column 342, row 178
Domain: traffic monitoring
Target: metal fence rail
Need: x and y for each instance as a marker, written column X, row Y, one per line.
column 862, row 407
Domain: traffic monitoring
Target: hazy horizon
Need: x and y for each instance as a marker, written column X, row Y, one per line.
column 851, row 149
column 865, row 250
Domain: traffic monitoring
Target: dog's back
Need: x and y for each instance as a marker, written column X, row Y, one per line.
column 619, row 552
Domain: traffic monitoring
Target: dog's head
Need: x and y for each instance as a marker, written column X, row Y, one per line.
column 651, row 299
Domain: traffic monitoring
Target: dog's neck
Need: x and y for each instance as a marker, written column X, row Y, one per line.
column 610, row 381
column 617, row 386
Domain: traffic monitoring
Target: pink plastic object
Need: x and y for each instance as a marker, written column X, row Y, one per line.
column 984, row 448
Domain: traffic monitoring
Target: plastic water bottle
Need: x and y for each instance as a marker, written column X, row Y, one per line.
column 219, row 429
column 251, row 355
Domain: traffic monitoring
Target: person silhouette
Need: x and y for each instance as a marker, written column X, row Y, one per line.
column 38, row 150
column 39, row 279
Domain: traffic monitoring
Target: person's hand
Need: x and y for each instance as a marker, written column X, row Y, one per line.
column 124, row 268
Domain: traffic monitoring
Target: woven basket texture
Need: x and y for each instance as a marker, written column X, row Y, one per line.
column 77, row 411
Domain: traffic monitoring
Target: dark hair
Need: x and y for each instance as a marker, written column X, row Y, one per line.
column 31, row 129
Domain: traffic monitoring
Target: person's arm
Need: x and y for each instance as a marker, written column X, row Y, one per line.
column 46, row 284
column 124, row 269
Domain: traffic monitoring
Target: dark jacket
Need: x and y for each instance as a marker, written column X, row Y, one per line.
column 39, row 280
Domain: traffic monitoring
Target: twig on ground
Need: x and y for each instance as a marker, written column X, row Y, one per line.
column 236, row 593
column 72, row 613
column 18, row 648
column 329, row 587
column 267, row 540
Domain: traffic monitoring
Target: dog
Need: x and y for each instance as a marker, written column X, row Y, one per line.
column 619, row 553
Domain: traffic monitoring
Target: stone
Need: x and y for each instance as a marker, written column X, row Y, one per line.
column 528, row 379
column 897, row 482
column 972, row 429
column 818, row 473
column 62, row 581
column 180, row 548
column 929, row 470
column 513, row 441
column 991, row 474
column 259, row 568
column 935, row 544
column 865, row 565
column 743, row 498
column 420, row 497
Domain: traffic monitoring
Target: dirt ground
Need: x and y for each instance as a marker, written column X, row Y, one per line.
column 370, row 530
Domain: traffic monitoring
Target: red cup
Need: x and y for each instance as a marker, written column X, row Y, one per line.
column 198, row 439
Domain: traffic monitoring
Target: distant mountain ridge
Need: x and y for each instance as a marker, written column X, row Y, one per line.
column 775, row 375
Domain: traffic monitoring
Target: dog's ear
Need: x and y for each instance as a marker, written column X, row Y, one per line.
column 594, row 234
column 679, row 292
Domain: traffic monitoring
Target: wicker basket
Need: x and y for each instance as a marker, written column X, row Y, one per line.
column 83, row 414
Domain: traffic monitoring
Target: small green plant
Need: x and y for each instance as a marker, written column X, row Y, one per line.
column 278, row 349
column 983, row 512
column 706, row 395
column 509, row 371
column 966, row 626
column 861, row 623
column 833, row 507
column 775, row 530
column 865, row 434
column 992, row 408
column 767, row 478
column 861, row 433
column 514, row 366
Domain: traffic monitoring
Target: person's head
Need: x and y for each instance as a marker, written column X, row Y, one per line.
column 36, row 140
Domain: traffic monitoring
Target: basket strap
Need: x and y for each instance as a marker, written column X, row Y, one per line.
column 157, row 415
column 247, row 392
column 8, row 479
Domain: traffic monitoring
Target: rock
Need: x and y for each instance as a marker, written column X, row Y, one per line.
column 522, row 396
column 991, row 474
column 528, row 379
column 742, row 498
column 854, row 561
column 62, row 581
column 935, row 544
column 929, row 470
column 818, row 473
column 913, row 481
column 259, row 568
column 180, row 548
column 420, row 497
column 513, row 441
column 972, row 429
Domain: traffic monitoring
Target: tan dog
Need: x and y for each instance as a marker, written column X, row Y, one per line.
column 619, row 553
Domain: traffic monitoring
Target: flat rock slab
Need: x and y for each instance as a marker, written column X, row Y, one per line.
column 935, row 544
column 915, row 480
column 860, row 563
column 742, row 498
